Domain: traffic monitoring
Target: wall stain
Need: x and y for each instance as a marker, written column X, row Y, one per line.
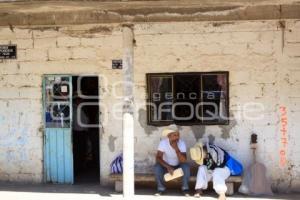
column 198, row 131
column 211, row 139
column 11, row 28
column 144, row 166
column 102, row 131
column 178, row 11
column 111, row 143
column 41, row 128
column 218, row 24
column 100, row 29
column 143, row 122
column 227, row 128
column 44, row 28
column 282, row 26
column 180, row 128
column 89, row 33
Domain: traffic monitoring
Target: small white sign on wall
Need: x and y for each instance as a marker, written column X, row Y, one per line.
column 64, row 89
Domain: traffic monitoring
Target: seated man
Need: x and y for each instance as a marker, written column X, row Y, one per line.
column 214, row 164
column 171, row 155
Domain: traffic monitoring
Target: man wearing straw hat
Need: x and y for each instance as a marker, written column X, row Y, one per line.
column 212, row 165
column 171, row 155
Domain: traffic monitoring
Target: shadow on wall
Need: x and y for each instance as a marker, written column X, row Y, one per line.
column 197, row 130
column 149, row 130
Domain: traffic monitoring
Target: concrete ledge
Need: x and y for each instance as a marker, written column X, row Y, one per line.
column 84, row 12
column 118, row 179
column 151, row 178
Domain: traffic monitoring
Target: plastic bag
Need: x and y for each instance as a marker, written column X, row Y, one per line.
column 235, row 167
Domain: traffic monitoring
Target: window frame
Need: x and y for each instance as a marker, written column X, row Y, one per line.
column 182, row 123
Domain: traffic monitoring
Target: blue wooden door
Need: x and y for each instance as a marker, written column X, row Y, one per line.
column 58, row 153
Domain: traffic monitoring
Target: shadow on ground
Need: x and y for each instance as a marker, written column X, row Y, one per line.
column 109, row 191
column 57, row 188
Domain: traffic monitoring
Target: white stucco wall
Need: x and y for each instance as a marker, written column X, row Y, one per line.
column 263, row 59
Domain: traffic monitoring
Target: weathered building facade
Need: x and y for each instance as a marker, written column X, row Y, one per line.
column 258, row 44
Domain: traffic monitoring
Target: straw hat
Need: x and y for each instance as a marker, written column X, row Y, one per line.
column 197, row 153
column 168, row 130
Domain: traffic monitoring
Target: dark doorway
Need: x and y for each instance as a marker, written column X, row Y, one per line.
column 86, row 129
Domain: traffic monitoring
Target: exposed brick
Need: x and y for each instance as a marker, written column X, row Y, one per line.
column 7, row 41
column 270, row 90
column 294, row 115
column 294, row 104
column 239, row 77
column 35, row 154
column 23, row 33
column 293, row 90
column 292, row 35
column 18, row 80
column 8, row 67
column 30, row 93
column 44, row 43
column 37, row 142
column 8, row 93
column 235, row 49
column 264, row 77
column 220, row 38
column 21, row 177
column 68, row 41
column 24, row 43
column 244, row 37
column 111, row 41
column 59, row 53
column 88, row 53
column 210, row 49
column 261, row 49
column 21, row 55
column 91, row 42
column 3, row 107
column 267, row 102
column 267, row 37
column 296, row 24
column 11, row 167
column 37, row 178
column 294, row 77
column 62, row 67
column 21, row 43
column 263, row 118
column 45, row 33
column 246, row 91
column 7, row 34
column 27, row 118
column 36, row 55
column 20, row 104
column 292, row 49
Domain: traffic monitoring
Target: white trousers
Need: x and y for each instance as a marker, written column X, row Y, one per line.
column 218, row 176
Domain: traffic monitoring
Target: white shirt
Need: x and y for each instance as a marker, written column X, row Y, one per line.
column 170, row 155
